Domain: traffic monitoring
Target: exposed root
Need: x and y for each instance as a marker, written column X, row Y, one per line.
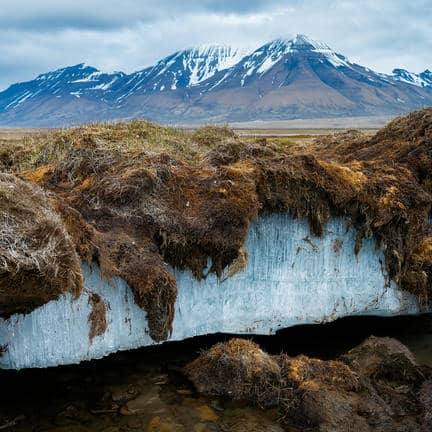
column 12, row 423
column 238, row 264
column 97, row 318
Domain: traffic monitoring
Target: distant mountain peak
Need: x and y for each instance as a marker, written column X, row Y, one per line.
column 302, row 41
column 266, row 57
column 423, row 79
column 184, row 69
column 210, row 49
column 205, row 60
column 427, row 74
column 78, row 69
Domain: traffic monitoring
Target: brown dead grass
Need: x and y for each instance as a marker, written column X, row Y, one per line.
column 238, row 369
column 37, row 256
column 209, row 136
column 405, row 141
column 315, row 373
column 424, row 251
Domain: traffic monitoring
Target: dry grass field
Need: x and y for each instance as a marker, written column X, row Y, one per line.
column 280, row 137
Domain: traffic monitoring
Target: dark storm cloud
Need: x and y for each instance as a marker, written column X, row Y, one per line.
column 37, row 36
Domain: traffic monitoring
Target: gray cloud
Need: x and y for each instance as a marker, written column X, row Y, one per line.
column 99, row 14
column 39, row 36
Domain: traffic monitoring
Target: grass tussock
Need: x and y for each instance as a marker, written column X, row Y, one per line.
column 135, row 197
column 238, row 369
column 210, row 135
column 38, row 261
column 362, row 391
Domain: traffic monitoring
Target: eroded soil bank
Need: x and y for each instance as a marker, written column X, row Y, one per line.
column 139, row 200
column 146, row 389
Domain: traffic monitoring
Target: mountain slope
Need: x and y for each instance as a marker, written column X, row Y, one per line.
column 67, row 95
column 283, row 79
column 302, row 77
column 79, row 80
column 423, row 79
column 182, row 69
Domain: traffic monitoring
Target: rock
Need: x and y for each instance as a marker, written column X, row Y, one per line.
column 207, row 414
column 160, row 379
column 426, row 403
column 72, row 428
column 158, row 425
column 216, row 404
column 246, row 420
column 200, row 427
column 134, row 423
column 125, row 411
column 184, row 391
column 122, row 394
column 71, row 412
column 148, row 401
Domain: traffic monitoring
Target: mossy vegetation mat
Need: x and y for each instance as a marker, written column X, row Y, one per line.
column 135, row 197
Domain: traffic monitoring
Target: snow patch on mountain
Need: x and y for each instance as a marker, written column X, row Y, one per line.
column 184, row 69
column 206, row 60
column 76, row 80
column 304, row 43
column 423, row 79
column 262, row 60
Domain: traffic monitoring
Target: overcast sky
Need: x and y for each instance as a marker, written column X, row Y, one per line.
column 38, row 36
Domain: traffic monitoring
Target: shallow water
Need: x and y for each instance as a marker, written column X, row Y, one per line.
column 145, row 389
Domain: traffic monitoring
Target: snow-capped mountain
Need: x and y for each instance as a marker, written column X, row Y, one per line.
column 262, row 60
column 282, row 79
column 73, row 81
column 304, row 78
column 423, row 79
column 183, row 69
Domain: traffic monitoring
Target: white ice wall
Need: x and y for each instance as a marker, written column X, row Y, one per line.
column 287, row 281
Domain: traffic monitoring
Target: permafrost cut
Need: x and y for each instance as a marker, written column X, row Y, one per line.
column 290, row 278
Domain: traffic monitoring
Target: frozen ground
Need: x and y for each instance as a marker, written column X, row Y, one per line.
column 291, row 278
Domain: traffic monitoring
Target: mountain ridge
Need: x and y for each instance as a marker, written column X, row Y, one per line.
column 282, row 79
